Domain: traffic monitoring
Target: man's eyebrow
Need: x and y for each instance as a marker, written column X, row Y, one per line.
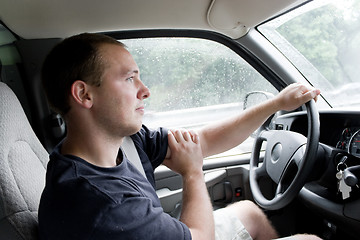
column 133, row 71
column 127, row 73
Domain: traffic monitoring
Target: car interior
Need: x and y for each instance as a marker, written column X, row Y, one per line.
column 203, row 61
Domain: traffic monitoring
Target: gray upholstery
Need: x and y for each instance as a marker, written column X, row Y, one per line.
column 22, row 170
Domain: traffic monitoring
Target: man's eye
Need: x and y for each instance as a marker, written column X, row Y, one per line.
column 131, row 79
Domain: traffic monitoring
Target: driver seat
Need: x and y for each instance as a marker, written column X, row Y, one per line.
column 23, row 162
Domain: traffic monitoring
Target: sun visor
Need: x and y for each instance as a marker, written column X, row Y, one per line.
column 225, row 15
column 235, row 17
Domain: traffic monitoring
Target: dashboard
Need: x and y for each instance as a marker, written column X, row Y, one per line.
column 349, row 141
column 338, row 129
column 339, row 143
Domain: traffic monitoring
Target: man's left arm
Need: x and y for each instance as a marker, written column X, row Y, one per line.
column 224, row 135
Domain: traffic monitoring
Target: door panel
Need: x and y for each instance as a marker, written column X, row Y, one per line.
column 226, row 180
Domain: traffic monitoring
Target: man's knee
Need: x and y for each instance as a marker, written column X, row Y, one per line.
column 247, row 208
column 254, row 219
column 301, row 237
column 244, row 204
column 257, row 223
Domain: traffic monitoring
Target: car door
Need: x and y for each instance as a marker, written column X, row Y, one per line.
column 194, row 82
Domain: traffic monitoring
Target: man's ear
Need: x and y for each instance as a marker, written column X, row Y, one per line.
column 81, row 94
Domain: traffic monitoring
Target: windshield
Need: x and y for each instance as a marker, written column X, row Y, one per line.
column 322, row 40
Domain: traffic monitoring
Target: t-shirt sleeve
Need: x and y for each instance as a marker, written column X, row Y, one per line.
column 153, row 143
column 137, row 218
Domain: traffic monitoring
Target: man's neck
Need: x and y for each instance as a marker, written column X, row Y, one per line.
column 93, row 149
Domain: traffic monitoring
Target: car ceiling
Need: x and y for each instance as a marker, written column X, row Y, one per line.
column 34, row 19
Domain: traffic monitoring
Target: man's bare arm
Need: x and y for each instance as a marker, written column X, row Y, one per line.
column 186, row 159
column 224, row 135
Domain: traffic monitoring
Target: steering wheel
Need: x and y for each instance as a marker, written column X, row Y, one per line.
column 289, row 158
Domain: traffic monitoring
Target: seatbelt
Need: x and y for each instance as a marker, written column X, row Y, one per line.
column 131, row 153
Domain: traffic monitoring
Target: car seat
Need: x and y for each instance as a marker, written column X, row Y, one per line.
column 23, row 162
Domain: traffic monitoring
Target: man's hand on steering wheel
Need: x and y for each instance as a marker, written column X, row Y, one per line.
column 295, row 95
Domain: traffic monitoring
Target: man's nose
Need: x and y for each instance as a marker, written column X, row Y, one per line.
column 144, row 91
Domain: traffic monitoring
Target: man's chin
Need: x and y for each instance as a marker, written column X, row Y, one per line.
column 139, row 127
column 134, row 129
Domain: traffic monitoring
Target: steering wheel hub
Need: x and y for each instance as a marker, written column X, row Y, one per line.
column 276, row 152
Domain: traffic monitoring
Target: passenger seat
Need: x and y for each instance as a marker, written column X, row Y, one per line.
column 23, row 162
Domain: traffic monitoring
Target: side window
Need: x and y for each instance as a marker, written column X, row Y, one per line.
column 193, row 82
column 8, row 52
column 10, row 73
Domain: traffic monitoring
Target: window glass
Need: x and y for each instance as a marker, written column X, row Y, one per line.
column 8, row 52
column 193, row 82
column 322, row 39
column 10, row 71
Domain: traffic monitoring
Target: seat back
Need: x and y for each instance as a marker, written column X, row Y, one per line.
column 23, row 162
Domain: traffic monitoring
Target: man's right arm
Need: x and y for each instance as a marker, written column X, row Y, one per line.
column 186, row 159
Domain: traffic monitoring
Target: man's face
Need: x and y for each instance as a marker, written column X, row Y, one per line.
column 118, row 102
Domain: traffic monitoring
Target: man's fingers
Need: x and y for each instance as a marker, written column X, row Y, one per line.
column 194, row 136
column 186, row 135
column 171, row 138
column 177, row 134
column 312, row 94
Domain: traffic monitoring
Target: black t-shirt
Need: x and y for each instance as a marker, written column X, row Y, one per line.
column 83, row 201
